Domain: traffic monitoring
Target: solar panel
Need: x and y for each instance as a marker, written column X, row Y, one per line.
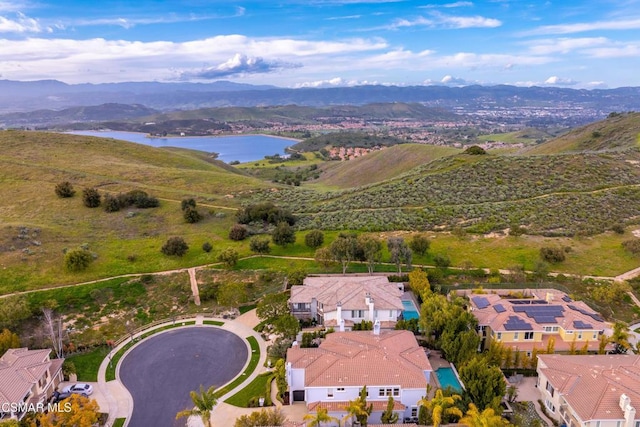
column 545, row 319
column 594, row 316
column 566, row 298
column 516, row 324
column 481, row 302
column 499, row 308
column 579, row 324
column 539, row 301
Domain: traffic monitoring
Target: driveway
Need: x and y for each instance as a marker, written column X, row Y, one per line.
column 162, row 370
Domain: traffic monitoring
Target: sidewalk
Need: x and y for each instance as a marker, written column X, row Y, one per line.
column 117, row 400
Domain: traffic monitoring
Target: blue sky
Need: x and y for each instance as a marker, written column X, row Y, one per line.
column 318, row 43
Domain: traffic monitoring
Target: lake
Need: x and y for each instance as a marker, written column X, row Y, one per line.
column 243, row 148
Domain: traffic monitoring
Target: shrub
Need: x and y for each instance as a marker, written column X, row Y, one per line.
column 552, row 255
column 442, row 261
column 259, row 245
column 475, row 150
column 283, row 234
column 419, row 244
column 191, row 215
column 237, row 232
column 65, row 189
column 175, row 246
column 111, row 203
column 618, row 228
column 296, row 277
column 314, row 239
column 632, row 246
column 229, row 257
column 77, row 260
column 188, row 203
column 91, row 197
column 207, row 247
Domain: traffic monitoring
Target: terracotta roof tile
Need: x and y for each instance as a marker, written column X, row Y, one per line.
column 20, row 369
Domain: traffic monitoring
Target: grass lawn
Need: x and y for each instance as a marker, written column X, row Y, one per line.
column 253, row 363
column 212, row 322
column 87, row 364
column 257, row 388
column 119, row 422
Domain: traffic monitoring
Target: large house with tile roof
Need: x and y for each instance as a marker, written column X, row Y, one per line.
column 389, row 363
column 342, row 301
column 27, row 377
column 591, row 390
column 528, row 319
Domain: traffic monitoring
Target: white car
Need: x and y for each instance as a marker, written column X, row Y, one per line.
column 79, row 388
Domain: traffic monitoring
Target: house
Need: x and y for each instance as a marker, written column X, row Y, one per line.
column 527, row 319
column 591, row 390
column 27, row 377
column 389, row 363
column 342, row 301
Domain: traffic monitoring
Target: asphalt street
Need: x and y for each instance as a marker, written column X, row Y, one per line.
column 161, row 371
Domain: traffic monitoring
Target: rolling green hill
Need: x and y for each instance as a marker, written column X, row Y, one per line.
column 37, row 225
column 618, row 132
column 381, row 165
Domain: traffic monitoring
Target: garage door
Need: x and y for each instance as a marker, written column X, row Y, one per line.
column 298, row 395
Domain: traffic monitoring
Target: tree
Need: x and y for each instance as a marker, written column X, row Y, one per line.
column 191, row 215
column 400, row 252
column 187, row 203
column 267, row 213
column 231, row 294
column 314, row 239
column 175, row 246
column 442, row 261
column 344, row 249
column 371, row 250
column 388, row 416
column 620, row 338
column 272, row 306
column 359, row 409
column 237, row 232
column 91, row 197
column 485, row 384
column 77, row 260
column 324, row 257
column 207, row 247
column 13, row 310
column 8, row 340
column 204, row 403
column 259, row 245
column 321, row 416
column 441, row 406
column 475, row 150
column 420, row 244
column 79, row 411
column 296, row 277
column 229, row 257
column 65, row 189
column 419, row 283
column 53, row 327
column 488, row 417
column 264, row 417
column 286, row 325
column 284, row 234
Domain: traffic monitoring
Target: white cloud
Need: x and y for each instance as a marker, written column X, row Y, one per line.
column 618, row 50
column 13, row 6
column 334, row 82
column 21, row 24
column 560, row 81
column 448, row 5
column 237, row 65
column 453, row 81
column 623, row 24
column 440, row 20
column 597, row 85
column 565, row 45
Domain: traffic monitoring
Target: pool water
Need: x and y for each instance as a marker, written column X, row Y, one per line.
column 409, row 310
column 447, row 378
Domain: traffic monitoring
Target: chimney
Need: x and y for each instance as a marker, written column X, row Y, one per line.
column 549, row 297
column 376, row 327
column 367, row 297
column 339, row 312
column 341, row 325
column 371, row 311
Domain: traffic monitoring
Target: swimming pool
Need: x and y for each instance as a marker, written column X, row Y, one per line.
column 448, row 378
column 409, row 310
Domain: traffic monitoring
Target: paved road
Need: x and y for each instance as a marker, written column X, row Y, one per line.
column 161, row 371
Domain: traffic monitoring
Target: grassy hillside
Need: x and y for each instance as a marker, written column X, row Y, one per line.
column 37, row 225
column 525, row 136
column 618, row 132
column 380, row 165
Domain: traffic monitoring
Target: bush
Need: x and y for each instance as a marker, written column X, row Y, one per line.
column 77, row 260
column 229, row 257
column 314, row 239
column 552, row 255
column 419, row 244
column 259, row 245
column 632, row 246
column 442, row 261
column 175, row 246
column 283, row 234
column 65, row 189
column 475, row 150
column 296, row 277
column 111, row 203
column 618, row 228
column 191, row 215
column 237, row 232
column 188, row 203
column 91, row 197
column 207, row 247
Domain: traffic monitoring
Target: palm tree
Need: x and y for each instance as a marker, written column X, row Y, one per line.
column 204, row 404
column 359, row 409
column 486, row 418
column 321, row 416
column 441, row 405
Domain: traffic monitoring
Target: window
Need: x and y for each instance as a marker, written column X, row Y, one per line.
column 301, row 306
column 515, row 336
column 396, row 392
column 550, row 388
column 579, row 335
column 528, row 335
column 381, row 392
column 569, row 332
column 550, row 406
column 339, row 389
column 329, row 392
column 595, row 336
column 357, row 314
column 551, row 329
column 414, row 411
column 499, row 336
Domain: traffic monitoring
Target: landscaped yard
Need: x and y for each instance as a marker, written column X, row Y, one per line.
column 87, row 364
column 259, row 387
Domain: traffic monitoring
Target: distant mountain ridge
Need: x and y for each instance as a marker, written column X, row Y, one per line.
column 52, row 94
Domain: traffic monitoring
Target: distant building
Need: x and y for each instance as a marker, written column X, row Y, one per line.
column 389, row 363
column 342, row 301
column 592, row 390
column 528, row 319
column 27, row 377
